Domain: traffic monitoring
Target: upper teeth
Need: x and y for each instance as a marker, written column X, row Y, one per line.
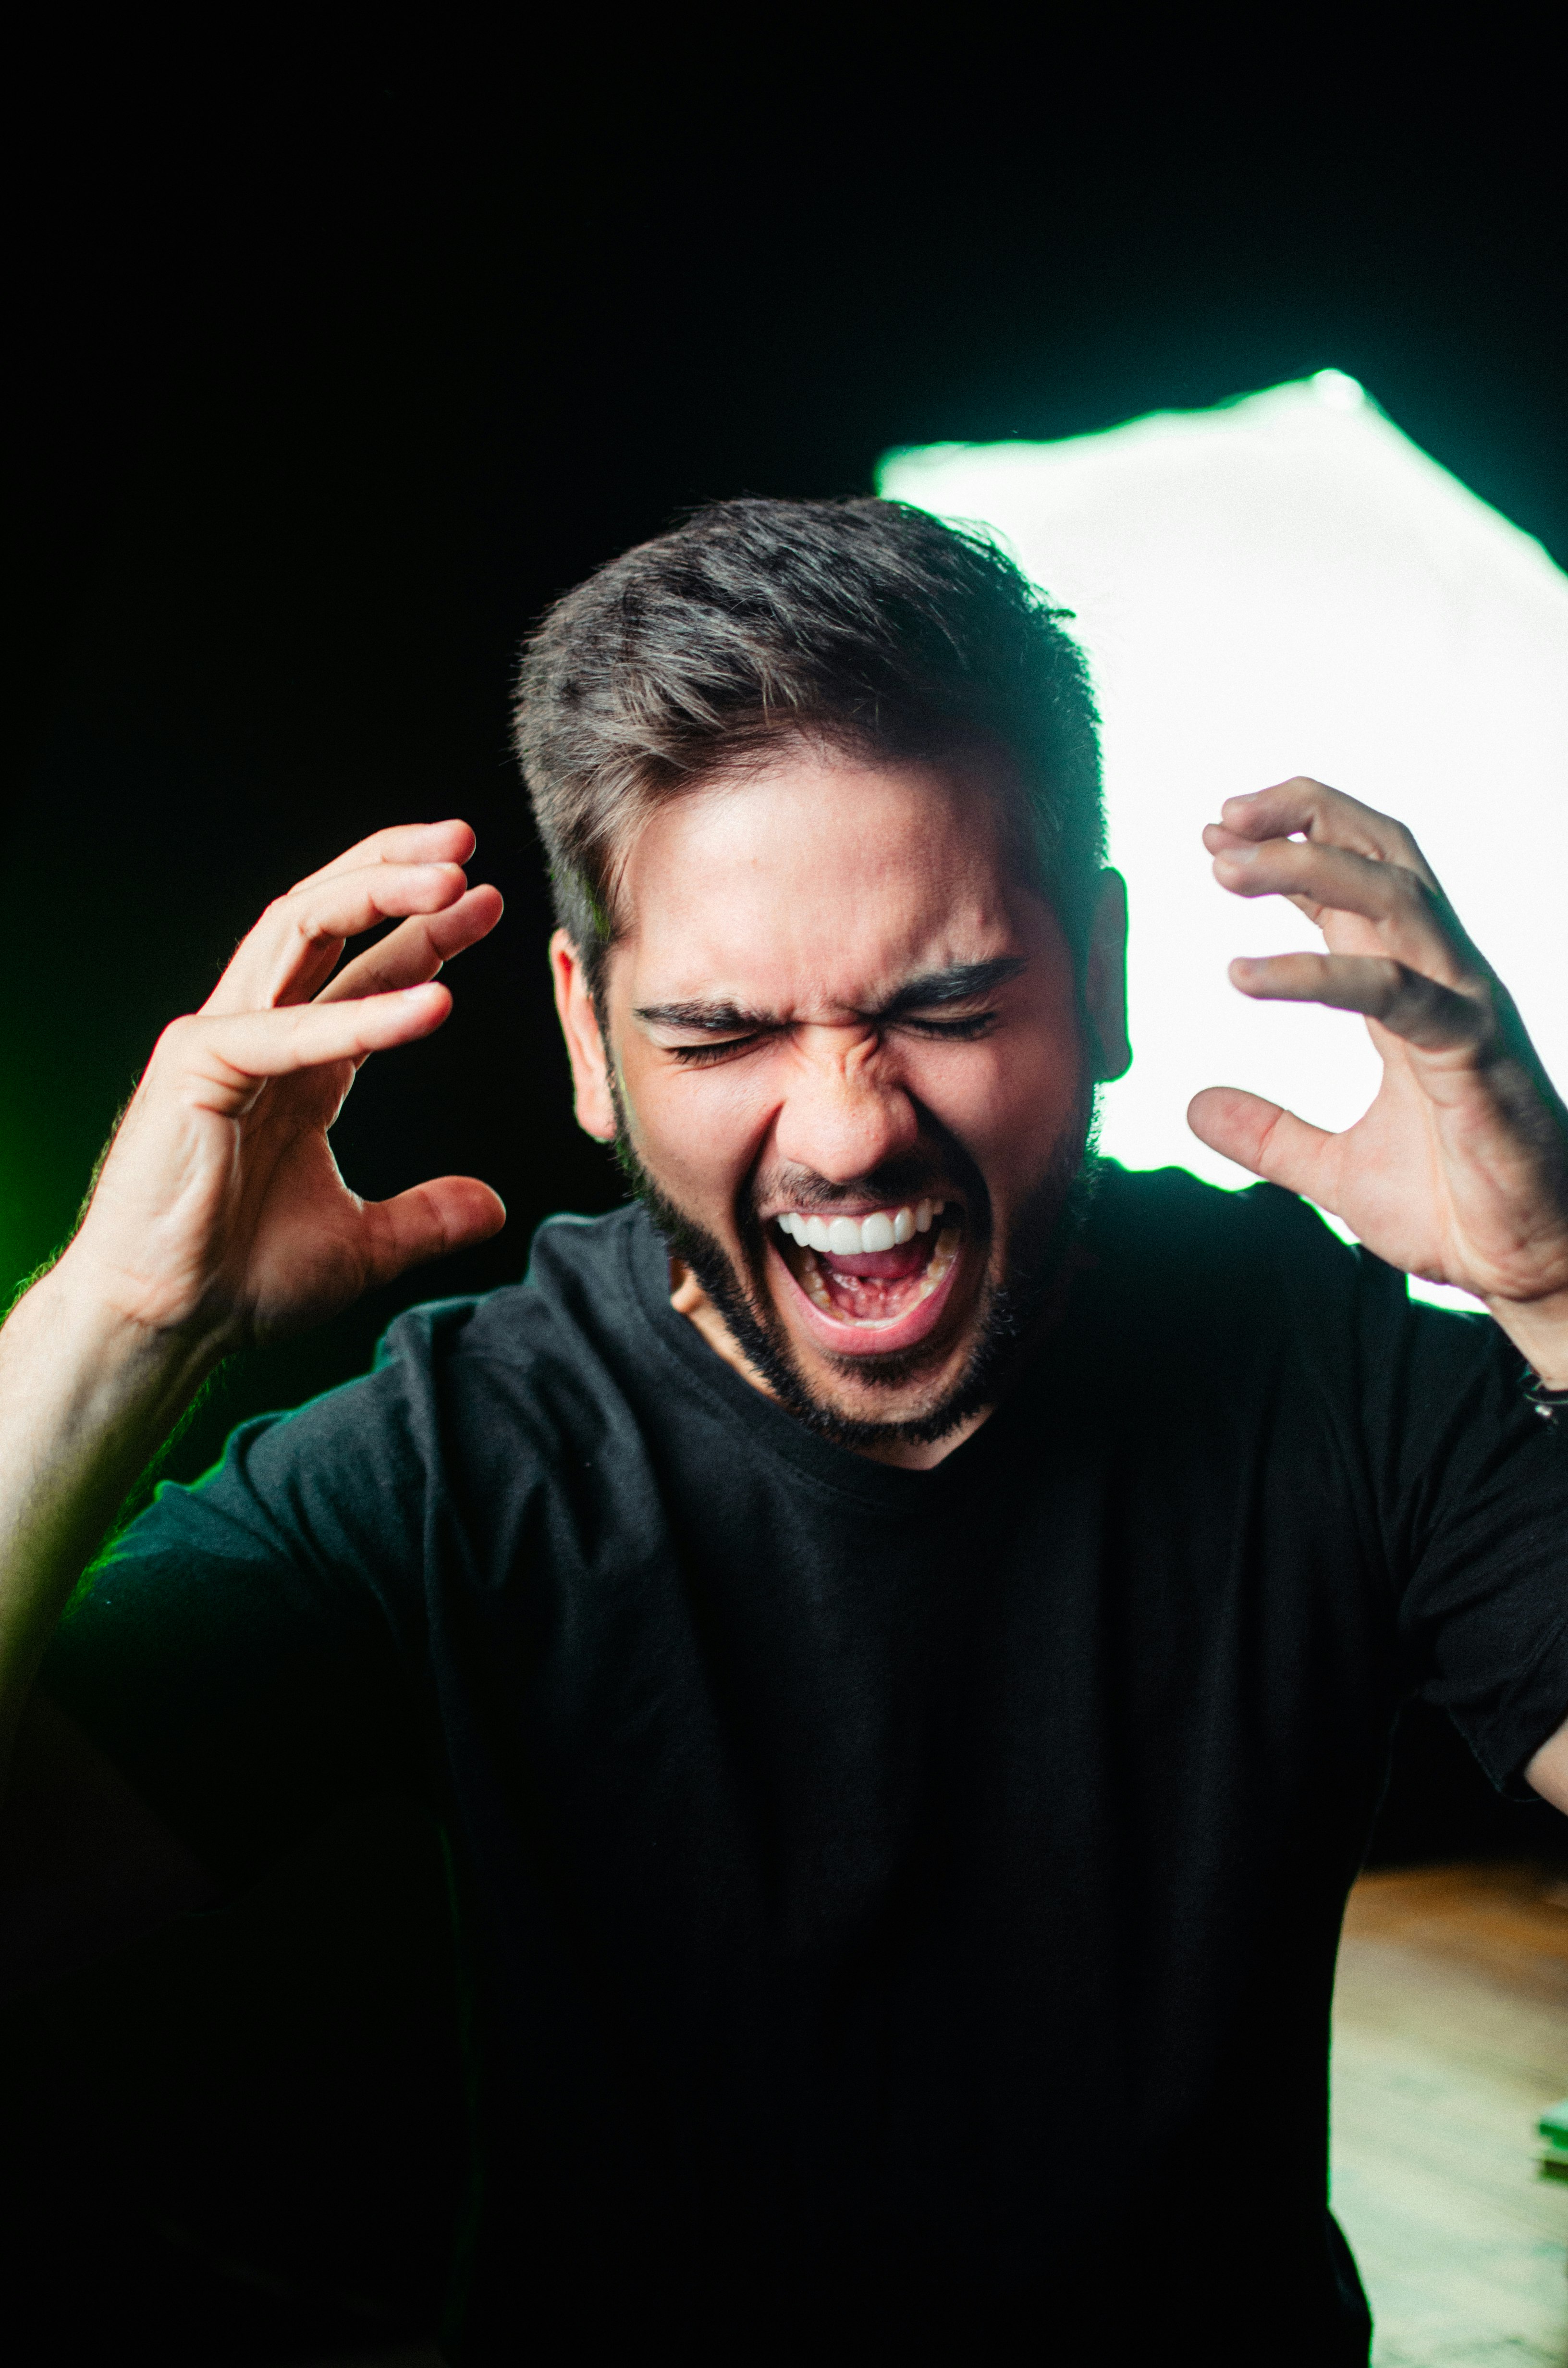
column 849, row 1236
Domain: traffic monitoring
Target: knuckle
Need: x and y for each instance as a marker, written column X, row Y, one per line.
column 174, row 1044
column 1486, row 1015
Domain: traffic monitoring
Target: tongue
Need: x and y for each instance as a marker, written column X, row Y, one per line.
column 875, row 1286
column 898, row 1265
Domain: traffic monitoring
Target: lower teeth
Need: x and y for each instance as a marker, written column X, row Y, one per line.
column 817, row 1292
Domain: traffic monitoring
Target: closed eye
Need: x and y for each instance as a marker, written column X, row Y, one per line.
column 702, row 1056
column 961, row 1031
column 968, row 1030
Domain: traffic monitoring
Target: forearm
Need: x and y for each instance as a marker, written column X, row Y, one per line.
column 85, row 1400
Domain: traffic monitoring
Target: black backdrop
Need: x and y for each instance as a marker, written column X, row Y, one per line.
column 336, row 366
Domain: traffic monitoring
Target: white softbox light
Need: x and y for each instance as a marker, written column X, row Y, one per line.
column 1287, row 584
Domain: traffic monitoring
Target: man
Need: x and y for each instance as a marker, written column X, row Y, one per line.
column 900, row 1624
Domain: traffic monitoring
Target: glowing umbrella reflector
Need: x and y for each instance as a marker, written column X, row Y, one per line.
column 1287, row 584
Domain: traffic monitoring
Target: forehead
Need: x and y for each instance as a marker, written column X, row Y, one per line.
column 821, row 879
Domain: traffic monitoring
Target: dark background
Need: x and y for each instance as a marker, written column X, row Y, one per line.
column 333, row 368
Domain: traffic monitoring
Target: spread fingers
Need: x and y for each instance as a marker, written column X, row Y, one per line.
column 221, row 1058
column 295, row 946
column 414, row 952
column 403, row 842
column 1327, row 817
column 1404, row 1001
column 1410, row 915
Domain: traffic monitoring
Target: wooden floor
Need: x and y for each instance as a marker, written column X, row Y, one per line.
column 1450, row 2035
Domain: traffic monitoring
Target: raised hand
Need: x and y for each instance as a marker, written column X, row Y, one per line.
column 1459, row 1171
column 220, row 1214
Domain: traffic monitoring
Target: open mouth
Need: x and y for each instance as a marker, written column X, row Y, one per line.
column 875, row 1284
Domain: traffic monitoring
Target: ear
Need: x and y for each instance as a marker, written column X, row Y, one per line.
column 584, row 1045
column 1105, row 982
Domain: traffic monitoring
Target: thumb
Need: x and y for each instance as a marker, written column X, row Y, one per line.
column 428, row 1221
column 1259, row 1136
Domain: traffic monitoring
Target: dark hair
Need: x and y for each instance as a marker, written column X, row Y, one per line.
column 866, row 623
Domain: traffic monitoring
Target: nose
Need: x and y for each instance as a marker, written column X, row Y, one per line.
column 844, row 1114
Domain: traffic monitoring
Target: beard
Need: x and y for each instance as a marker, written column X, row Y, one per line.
column 1012, row 1305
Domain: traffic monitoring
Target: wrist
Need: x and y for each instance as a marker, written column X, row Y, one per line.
column 1539, row 1330
column 69, row 1341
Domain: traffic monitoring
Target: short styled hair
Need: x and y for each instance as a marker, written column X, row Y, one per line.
column 865, row 624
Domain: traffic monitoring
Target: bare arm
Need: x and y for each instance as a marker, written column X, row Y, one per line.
column 220, row 1218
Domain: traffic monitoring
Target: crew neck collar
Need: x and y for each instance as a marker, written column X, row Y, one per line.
column 780, row 1433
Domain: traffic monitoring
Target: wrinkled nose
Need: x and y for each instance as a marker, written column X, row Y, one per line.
column 844, row 1115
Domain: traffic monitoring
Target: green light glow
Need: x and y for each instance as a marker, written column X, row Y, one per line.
column 1287, row 584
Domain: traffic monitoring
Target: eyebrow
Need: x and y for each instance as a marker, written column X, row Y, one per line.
column 960, row 982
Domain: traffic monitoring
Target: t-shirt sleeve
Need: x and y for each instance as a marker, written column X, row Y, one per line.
column 246, row 1651
column 1472, row 1486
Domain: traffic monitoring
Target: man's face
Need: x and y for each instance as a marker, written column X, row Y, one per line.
column 849, row 1063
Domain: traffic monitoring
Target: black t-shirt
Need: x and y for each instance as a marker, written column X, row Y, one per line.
column 902, row 1906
